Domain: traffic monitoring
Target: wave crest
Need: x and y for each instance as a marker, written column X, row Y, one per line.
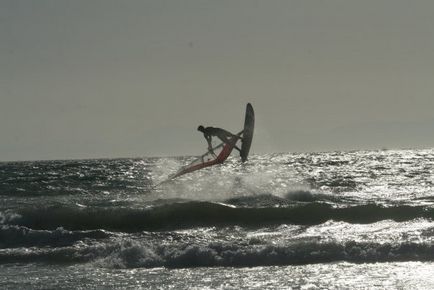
column 136, row 254
column 191, row 214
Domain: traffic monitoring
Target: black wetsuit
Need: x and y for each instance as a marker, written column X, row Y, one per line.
column 218, row 132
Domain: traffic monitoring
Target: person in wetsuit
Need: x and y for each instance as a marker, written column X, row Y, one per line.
column 222, row 134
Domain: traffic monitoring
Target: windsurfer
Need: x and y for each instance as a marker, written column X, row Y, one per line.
column 222, row 134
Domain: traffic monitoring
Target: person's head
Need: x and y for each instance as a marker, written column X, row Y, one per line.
column 200, row 128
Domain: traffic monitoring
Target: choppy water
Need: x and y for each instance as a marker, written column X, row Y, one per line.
column 361, row 219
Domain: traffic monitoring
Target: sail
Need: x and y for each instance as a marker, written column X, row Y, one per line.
column 218, row 155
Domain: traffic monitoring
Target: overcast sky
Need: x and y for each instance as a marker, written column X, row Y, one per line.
column 100, row 78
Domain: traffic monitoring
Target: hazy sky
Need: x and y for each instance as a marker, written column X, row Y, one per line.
column 88, row 79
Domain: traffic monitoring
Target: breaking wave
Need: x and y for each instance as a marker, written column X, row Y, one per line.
column 133, row 254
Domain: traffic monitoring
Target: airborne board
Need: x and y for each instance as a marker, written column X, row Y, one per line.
column 249, row 126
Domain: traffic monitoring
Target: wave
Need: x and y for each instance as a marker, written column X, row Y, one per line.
column 18, row 236
column 190, row 214
column 135, row 254
column 271, row 200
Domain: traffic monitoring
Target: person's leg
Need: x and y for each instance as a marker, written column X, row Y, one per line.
column 223, row 138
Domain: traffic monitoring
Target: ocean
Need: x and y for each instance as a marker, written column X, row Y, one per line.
column 325, row 220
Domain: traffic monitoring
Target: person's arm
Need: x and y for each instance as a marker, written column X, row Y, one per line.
column 208, row 139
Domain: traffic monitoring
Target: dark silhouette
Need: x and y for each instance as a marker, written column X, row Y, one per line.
column 222, row 134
